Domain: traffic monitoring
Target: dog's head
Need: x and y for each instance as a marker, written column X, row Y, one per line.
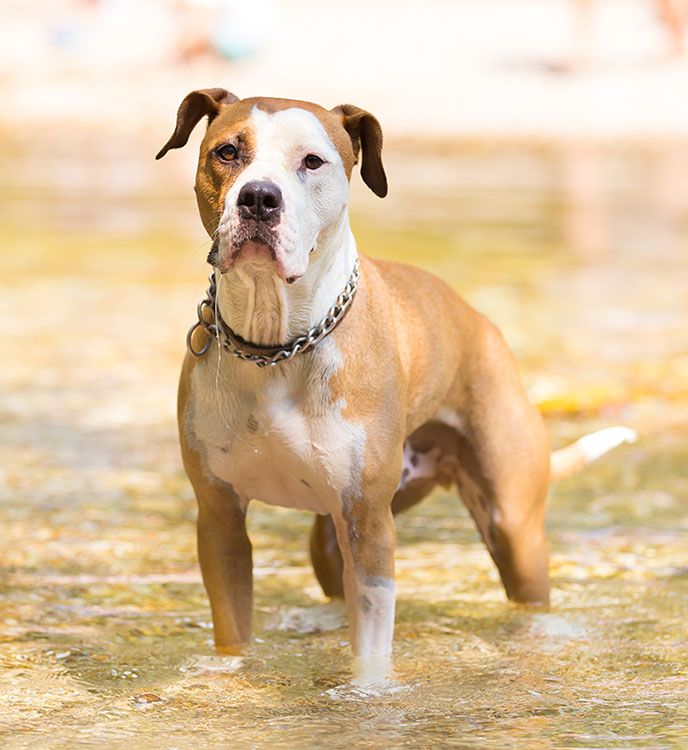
column 273, row 174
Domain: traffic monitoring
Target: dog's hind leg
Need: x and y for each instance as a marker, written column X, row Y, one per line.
column 326, row 558
column 502, row 474
column 509, row 511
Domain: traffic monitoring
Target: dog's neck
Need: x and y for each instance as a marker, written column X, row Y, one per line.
column 263, row 309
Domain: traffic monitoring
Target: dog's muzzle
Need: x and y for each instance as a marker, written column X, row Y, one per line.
column 259, row 208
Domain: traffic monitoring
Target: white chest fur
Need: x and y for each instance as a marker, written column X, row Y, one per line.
column 276, row 434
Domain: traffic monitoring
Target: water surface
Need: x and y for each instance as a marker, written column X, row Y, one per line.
column 578, row 253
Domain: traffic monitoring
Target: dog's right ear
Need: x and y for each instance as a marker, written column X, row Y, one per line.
column 196, row 105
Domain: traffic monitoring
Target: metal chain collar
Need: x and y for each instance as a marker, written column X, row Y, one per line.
column 266, row 355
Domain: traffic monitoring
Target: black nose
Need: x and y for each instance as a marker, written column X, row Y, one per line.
column 260, row 201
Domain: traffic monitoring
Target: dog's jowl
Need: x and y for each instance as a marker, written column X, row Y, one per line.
column 320, row 379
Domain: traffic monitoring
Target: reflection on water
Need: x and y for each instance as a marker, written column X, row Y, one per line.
column 578, row 253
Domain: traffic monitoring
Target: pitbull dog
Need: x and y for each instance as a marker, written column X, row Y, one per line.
column 321, row 379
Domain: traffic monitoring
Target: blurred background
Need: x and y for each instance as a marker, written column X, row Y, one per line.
column 537, row 153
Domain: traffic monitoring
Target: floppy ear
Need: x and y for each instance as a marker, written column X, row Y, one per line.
column 366, row 136
column 194, row 106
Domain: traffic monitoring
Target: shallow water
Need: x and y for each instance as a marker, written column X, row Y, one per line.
column 578, row 253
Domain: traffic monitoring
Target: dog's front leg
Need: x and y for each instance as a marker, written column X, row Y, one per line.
column 224, row 552
column 366, row 535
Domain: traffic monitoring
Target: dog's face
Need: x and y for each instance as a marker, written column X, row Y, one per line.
column 273, row 175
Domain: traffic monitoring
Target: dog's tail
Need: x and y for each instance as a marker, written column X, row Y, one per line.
column 573, row 458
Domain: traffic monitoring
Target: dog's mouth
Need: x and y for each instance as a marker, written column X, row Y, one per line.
column 251, row 245
column 252, row 240
column 257, row 232
column 254, row 250
column 257, row 247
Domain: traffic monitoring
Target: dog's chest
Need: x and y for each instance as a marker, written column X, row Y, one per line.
column 277, row 438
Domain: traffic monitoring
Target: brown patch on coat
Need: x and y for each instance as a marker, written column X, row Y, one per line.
column 214, row 178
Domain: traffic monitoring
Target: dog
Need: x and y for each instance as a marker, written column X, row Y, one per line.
column 320, row 379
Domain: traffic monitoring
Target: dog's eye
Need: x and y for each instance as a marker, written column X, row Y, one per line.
column 313, row 162
column 228, row 152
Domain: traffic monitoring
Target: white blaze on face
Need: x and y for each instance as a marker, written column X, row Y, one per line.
column 313, row 200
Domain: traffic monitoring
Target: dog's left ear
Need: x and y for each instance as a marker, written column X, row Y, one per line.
column 366, row 136
column 195, row 106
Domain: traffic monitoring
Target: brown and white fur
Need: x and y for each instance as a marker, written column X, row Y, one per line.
column 414, row 388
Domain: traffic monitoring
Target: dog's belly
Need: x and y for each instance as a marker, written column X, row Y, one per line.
column 278, row 449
